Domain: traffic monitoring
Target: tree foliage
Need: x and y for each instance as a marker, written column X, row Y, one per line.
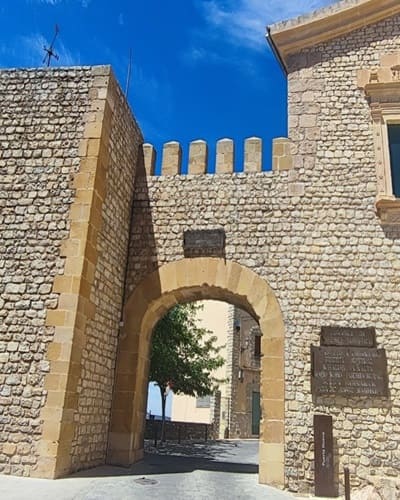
column 184, row 354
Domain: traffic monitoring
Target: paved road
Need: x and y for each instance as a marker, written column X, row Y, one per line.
column 224, row 470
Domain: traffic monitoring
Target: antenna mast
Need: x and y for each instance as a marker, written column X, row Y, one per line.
column 128, row 78
column 50, row 50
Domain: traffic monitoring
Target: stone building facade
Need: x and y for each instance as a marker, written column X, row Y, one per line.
column 315, row 242
column 214, row 317
column 243, row 373
column 234, row 410
column 352, row 275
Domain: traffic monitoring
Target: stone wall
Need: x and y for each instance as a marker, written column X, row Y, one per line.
column 107, row 293
column 313, row 234
column 68, row 158
column 179, row 431
column 261, row 214
column 166, row 206
column 41, row 124
column 347, row 264
column 308, row 228
column 245, row 373
column 226, row 395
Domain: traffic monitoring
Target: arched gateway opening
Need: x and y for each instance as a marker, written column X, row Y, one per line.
column 184, row 281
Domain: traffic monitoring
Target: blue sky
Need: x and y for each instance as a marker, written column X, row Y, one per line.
column 201, row 68
column 154, row 401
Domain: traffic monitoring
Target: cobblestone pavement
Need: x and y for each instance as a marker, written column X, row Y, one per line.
column 218, row 470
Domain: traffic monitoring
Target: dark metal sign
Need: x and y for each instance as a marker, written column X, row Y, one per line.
column 345, row 336
column 204, row 243
column 323, row 457
column 348, row 371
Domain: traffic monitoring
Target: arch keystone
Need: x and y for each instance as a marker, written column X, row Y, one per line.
column 212, row 269
column 195, row 276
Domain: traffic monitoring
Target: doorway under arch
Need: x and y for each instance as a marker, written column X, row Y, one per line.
column 183, row 281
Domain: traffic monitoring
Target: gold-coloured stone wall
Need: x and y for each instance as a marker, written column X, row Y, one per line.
column 82, row 355
column 120, row 138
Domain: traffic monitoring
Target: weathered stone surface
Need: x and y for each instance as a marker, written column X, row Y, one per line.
column 95, row 386
column 53, row 137
column 367, row 493
column 41, row 124
column 308, row 229
column 313, row 234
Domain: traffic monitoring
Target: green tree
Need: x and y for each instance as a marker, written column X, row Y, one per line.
column 183, row 356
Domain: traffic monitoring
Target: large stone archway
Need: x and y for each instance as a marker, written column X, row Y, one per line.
column 188, row 280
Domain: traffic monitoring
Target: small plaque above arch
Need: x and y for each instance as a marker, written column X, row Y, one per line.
column 204, row 243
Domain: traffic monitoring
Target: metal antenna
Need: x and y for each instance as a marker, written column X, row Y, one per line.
column 128, row 78
column 50, row 50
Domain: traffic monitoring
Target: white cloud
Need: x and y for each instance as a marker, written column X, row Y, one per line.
column 242, row 22
column 194, row 56
column 84, row 3
column 66, row 57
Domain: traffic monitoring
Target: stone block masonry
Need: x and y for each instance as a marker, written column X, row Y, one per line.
column 64, row 134
column 166, row 205
column 224, row 159
column 179, row 431
column 304, row 248
column 42, row 117
column 351, row 275
column 310, row 229
column 121, row 138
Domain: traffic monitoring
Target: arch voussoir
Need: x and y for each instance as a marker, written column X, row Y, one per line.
column 183, row 281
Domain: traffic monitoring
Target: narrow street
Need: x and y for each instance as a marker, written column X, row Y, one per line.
column 223, row 470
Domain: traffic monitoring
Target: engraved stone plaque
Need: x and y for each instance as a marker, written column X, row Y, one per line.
column 345, row 336
column 323, row 457
column 349, row 371
column 204, row 243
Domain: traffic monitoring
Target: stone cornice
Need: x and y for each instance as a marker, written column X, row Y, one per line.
column 324, row 24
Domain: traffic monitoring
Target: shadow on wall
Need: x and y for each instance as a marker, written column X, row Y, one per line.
column 142, row 256
column 142, row 260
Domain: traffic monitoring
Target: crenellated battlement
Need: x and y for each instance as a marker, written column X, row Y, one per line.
column 171, row 163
